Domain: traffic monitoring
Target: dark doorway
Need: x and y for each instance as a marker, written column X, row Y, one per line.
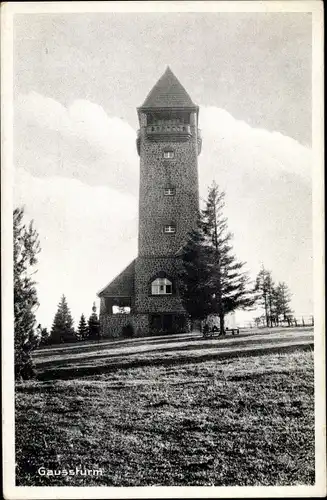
column 167, row 323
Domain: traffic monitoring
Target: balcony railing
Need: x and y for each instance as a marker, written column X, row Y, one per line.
column 174, row 133
column 168, row 129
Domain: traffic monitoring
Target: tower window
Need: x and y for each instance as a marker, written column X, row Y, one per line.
column 161, row 286
column 170, row 229
column 168, row 155
column 169, row 191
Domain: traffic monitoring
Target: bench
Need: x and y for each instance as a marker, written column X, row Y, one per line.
column 233, row 330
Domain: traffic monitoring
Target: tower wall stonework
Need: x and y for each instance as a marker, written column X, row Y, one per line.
column 155, row 209
column 145, row 270
column 157, row 250
column 111, row 325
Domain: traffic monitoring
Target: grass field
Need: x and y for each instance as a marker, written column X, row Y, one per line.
column 93, row 358
column 225, row 421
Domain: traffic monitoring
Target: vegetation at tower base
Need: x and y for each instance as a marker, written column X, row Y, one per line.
column 25, row 251
column 275, row 300
column 83, row 331
column 93, row 324
column 63, row 327
column 212, row 279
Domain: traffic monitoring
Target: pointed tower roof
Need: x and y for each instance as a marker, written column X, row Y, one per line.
column 168, row 92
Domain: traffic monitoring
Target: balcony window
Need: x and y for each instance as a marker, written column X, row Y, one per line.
column 170, row 229
column 121, row 310
column 168, row 155
column 161, row 286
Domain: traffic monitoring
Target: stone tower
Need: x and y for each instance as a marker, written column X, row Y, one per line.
column 168, row 144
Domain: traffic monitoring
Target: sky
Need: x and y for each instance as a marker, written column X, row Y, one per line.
column 78, row 79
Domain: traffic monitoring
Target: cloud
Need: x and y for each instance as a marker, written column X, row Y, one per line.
column 77, row 174
column 235, row 148
column 80, row 142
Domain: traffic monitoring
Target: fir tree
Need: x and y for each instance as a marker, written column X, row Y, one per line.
column 266, row 294
column 229, row 282
column 282, row 299
column 194, row 277
column 212, row 279
column 83, row 331
column 26, row 248
column 63, row 327
column 94, row 324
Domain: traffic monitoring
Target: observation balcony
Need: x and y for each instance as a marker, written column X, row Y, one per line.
column 168, row 129
column 169, row 133
column 179, row 132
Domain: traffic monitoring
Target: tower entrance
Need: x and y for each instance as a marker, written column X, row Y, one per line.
column 165, row 323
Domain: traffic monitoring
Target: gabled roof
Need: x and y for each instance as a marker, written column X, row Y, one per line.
column 168, row 92
column 122, row 285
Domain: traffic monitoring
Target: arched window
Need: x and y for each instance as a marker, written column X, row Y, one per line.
column 161, row 286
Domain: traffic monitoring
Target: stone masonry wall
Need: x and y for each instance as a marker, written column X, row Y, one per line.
column 146, row 269
column 112, row 324
column 156, row 209
column 156, row 249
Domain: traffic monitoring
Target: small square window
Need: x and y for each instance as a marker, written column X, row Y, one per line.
column 170, row 229
column 168, row 155
column 169, row 191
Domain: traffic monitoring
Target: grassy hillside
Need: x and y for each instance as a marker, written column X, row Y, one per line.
column 237, row 421
column 92, row 358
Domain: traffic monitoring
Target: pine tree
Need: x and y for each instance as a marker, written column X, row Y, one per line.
column 266, row 294
column 194, row 277
column 63, row 326
column 230, row 283
column 212, row 279
column 94, row 324
column 83, row 331
column 282, row 299
column 26, row 248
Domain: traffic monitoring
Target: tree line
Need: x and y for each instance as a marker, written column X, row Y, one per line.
column 63, row 330
column 274, row 298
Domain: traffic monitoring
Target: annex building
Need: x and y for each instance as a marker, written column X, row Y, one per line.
column 145, row 296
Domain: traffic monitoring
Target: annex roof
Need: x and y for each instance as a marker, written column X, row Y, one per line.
column 122, row 285
column 168, row 92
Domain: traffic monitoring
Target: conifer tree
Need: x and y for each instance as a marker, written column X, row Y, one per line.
column 282, row 299
column 83, row 331
column 230, row 283
column 266, row 294
column 94, row 324
column 63, row 326
column 194, row 277
column 26, row 248
column 212, row 279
